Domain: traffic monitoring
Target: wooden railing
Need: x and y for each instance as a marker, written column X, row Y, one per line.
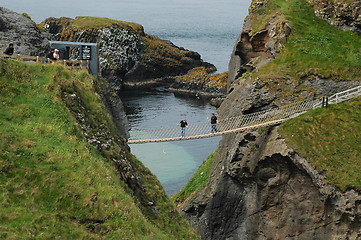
column 72, row 64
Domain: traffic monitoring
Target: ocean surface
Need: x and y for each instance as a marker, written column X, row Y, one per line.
column 209, row 27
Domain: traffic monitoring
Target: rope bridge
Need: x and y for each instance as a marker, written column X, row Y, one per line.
column 238, row 123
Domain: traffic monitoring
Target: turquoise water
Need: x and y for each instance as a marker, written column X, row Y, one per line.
column 173, row 162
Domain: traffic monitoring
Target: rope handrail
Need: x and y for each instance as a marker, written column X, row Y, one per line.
column 236, row 123
column 73, row 64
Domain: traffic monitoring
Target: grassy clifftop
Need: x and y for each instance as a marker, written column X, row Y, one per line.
column 330, row 139
column 53, row 182
column 313, row 47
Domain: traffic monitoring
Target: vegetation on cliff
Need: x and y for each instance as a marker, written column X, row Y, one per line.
column 200, row 76
column 313, row 48
column 330, row 139
column 90, row 23
column 197, row 182
column 64, row 171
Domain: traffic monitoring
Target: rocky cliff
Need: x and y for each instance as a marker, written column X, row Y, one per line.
column 19, row 29
column 127, row 55
column 260, row 187
column 344, row 14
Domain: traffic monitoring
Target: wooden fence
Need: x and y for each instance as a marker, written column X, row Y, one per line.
column 72, row 64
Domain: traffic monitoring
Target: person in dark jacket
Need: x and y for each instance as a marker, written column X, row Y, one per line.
column 9, row 50
column 50, row 54
column 183, row 124
column 213, row 122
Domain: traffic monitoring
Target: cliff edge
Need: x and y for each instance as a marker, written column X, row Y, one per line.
column 264, row 184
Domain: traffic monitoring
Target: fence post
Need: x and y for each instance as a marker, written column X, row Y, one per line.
column 18, row 57
column 81, row 64
column 72, row 65
column 326, row 102
column 64, row 62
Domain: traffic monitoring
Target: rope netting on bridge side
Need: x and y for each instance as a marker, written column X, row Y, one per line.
column 237, row 123
column 202, row 128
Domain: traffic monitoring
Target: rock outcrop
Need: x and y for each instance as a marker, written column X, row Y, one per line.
column 199, row 82
column 20, row 30
column 340, row 13
column 262, row 189
column 127, row 55
column 254, row 49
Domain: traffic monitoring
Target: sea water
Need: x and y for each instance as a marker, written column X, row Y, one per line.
column 209, row 27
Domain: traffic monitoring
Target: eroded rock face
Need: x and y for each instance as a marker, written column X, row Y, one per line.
column 22, row 32
column 253, row 50
column 340, row 13
column 262, row 189
column 119, row 51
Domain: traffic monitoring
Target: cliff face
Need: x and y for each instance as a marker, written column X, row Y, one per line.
column 260, row 187
column 127, row 55
column 20, row 30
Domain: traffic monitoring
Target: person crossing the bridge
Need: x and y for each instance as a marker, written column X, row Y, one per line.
column 213, row 122
column 183, row 124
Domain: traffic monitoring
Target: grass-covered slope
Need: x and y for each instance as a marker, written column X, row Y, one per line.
column 197, row 182
column 313, row 48
column 330, row 139
column 53, row 183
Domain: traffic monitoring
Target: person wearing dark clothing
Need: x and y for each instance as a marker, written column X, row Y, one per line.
column 214, row 122
column 183, row 124
column 9, row 50
column 50, row 54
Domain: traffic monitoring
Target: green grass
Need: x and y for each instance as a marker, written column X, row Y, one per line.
column 53, row 183
column 313, row 48
column 197, row 182
column 330, row 139
column 97, row 22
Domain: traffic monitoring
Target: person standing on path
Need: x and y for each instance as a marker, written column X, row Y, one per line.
column 183, row 124
column 214, row 122
column 56, row 55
